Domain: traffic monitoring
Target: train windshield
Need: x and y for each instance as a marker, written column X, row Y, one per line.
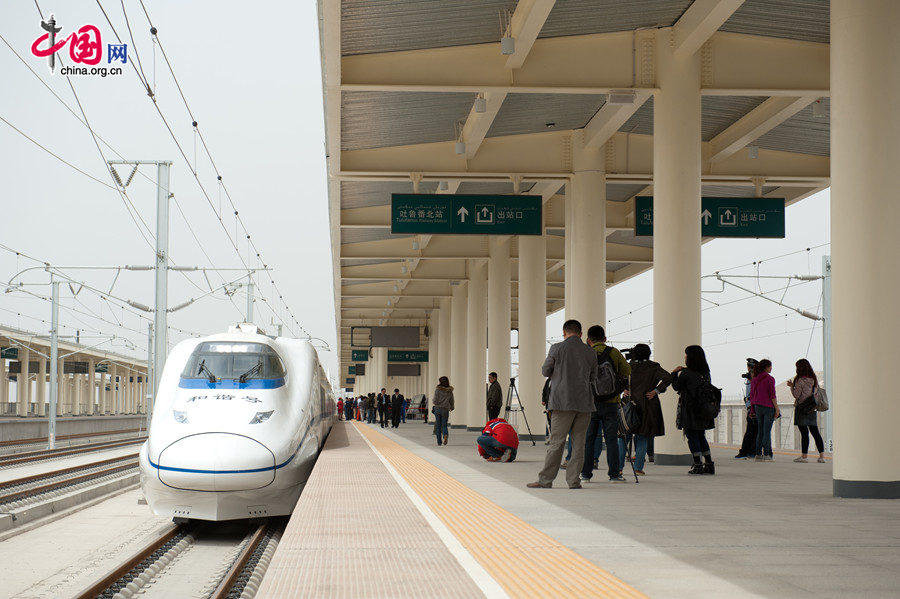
column 230, row 360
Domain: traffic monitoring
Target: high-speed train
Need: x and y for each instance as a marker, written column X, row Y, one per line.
column 238, row 422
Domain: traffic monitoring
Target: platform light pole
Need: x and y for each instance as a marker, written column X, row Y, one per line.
column 54, row 361
column 160, row 316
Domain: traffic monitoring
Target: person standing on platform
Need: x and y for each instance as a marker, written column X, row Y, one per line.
column 370, row 408
column 572, row 367
column 423, row 407
column 803, row 387
column 765, row 405
column 748, row 445
column 442, row 405
column 397, row 402
column 648, row 380
column 494, row 397
column 612, row 372
column 383, row 404
column 687, row 380
column 403, row 407
column 340, row 408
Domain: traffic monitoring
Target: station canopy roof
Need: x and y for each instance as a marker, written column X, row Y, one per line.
column 401, row 79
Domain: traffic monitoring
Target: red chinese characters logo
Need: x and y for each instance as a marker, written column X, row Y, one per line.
column 85, row 45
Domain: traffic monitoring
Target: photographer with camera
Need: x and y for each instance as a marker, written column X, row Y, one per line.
column 648, row 380
column 748, row 445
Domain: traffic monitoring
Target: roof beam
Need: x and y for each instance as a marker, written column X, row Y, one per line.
column 546, row 156
column 699, row 22
column 755, row 124
column 609, row 119
column 525, row 25
column 737, row 64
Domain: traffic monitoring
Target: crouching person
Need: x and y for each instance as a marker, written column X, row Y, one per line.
column 498, row 441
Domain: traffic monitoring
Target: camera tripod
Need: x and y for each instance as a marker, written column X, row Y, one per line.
column 509, row 395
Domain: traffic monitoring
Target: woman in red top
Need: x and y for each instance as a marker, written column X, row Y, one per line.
column 765, row 406
column 340, row 407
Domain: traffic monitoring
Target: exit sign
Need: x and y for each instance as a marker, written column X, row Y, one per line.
column 466, row 214
column 407, row 355
column 724, row 217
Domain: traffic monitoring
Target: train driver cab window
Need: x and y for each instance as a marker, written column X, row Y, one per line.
column 221, row 360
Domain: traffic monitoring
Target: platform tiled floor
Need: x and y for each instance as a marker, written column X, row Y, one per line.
column 754, row 529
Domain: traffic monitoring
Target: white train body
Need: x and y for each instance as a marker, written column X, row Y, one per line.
column 235, row 448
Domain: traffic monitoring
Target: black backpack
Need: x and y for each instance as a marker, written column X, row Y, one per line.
column 545, row 393
column 608, row 383
column 709, row 399
column 629, row 417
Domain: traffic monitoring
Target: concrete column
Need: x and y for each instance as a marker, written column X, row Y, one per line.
column 476, row 339
column 4, row 385
column 532, row 330
column 23, row 385
column 429, row 381
column 865, row 152
column 444, row 341
column 61, row 386
column 379, row 366
column 41, row 387
column 92, row 381
column 458, row 349
column 78, row 404
column 676, row 226
column 113, row 390
column 586, row 235
column 499, row 307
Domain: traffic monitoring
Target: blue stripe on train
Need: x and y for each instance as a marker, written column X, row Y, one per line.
column 248, row 471
column 231, row 384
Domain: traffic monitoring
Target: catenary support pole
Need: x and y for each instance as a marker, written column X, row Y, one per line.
column 160, row 320
column 149, row 378
column 865, row 152
column 676, row 225
column 250, row 298
column 54, row 363
column 476, row 338
column 458, row 348
column 532, row 330
column 499, row 307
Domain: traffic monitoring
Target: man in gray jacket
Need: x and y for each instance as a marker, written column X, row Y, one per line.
column 571, row 366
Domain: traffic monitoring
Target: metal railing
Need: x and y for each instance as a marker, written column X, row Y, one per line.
column 732, row 422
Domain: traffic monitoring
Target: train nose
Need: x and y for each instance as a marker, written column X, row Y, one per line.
column 216, row 462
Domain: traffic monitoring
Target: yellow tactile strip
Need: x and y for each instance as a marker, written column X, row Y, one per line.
column 522, row 559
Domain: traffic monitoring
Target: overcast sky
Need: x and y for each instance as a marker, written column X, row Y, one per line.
column 252, row 79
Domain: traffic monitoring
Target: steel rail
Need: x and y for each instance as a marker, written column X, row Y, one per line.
column 25, row 457
column 104, row 582
column 14, row 442
column 231, row 577
column 8, row 497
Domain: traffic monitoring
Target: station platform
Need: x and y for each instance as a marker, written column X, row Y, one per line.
column 387, row 513
column 32, row 427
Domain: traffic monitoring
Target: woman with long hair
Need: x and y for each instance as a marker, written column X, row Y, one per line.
column 803, row 388
column 765, row 405
column 687, row 380
column 443, row 404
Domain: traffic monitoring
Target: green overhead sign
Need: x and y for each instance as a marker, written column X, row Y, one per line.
column 723, row 217
column 9, row 353
column 407, row 355
column 360, row 355
column 455, row 214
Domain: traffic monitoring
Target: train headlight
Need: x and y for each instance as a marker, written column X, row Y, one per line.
column 180, row 416
column 261, row 417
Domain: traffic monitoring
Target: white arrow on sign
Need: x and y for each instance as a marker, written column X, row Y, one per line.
column 462, row 214
column 706, row 215
column 485, row 213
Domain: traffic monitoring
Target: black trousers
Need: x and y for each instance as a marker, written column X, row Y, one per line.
column 748, row 445
column 493, row 412
column 395, row 418
column 804, row 438
column 604, row 421
column 382, row 417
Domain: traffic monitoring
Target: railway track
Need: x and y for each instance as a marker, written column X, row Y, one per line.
column 60, row 438
column 240, row 567
column 16, row 492
column 36, row 456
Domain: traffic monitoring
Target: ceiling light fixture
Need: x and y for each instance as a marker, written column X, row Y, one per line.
column 443, row 186
column 819, row 109
column 621, row 97
column 753, row 152
column 480, row 104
